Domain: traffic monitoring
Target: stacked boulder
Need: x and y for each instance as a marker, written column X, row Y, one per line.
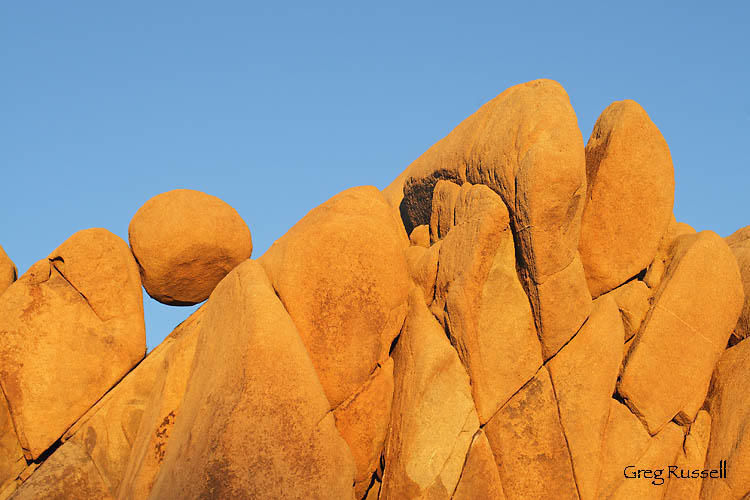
column 517, row 316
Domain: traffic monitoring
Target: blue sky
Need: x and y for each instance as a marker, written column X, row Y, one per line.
column 276, row 107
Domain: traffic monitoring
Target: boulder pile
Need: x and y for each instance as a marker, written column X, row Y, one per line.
column 517, row 316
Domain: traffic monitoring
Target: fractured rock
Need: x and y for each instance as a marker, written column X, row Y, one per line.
column 254, row 421
column 433, row 419
column 12, row 461
column 423, row 267
column 342, row 275
column 633, row 300
column 480, row 479
column 583, row 375
column 526, row 146
column 173, row 359
column 68, row 474
column 442, row 218
column 695, row 308
column 480, row 300
column 109, row 431
column 185, row 242
column 629, row 197
column 71, row 327
column 691, row 457
column 363, row 422
column 529, row 445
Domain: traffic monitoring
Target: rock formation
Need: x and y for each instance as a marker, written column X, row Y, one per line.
column 185, row 242
column 517, row 316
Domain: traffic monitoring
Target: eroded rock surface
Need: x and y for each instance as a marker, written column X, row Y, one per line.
column 71, row 327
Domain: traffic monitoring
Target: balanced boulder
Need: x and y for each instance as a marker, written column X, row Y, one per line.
column 185, row 242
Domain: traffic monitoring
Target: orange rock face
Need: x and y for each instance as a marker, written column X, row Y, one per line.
column 342, row 275
column 71, row 328
column 694, row 312
column 8, row 272
column 185, row 242
column 629, row 197
column 465, row 361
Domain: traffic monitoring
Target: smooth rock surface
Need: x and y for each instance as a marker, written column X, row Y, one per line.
column 268, row 431
column 629, row 196
column 433, row 418
column 480, row 479
column 691, row 457
column 72, row 327
column 695, row 309
column 342, row 275
column 185, row 242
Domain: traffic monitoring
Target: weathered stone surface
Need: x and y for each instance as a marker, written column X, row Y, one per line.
column 8, row 271
column 691, row 457
column 480, row 479
column 526, row 146
column 729, row 406
column 423, row 267
column 342, row 275
column 12, row 461
column 481, row 302
column 72, row 326
column 633, row 300
column 173, row 359
column 739, row 242
column 655, row 270
column 659, row 455
column 629, row 196
column 433, row 419
column 68, row 474
column 254, row 421
column 625, row 441
column 442, row 218
column 583, row 375
column 363, row 420
column 695, row 309
column 185, row 242
column 109, row 431
column 529, row 446
column 420, row 236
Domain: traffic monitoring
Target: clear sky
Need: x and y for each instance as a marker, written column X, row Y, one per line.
column 276, row 106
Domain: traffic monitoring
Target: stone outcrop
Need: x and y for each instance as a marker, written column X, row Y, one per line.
column 185, row 242
column 433, row 419
column 268, row 417
column 437, row 340
column 342, row 275
column 685, row 331
column 71, row 327
column 526, row 146
column 629, row 196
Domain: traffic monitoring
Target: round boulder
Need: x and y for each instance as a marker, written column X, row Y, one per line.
column 185, row 242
